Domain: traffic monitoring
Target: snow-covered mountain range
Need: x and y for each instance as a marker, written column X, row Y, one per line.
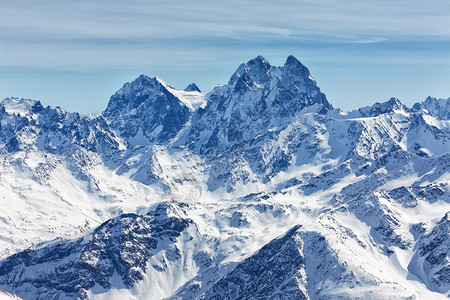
column 259, row 189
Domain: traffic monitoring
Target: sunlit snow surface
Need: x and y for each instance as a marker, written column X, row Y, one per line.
column 245, row 193
column 8, row 296
column 18, row 106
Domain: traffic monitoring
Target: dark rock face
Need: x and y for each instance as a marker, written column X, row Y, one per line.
column 298, row 265
column 410, row 196
column 386, row 224
column 431, row 262
column 67, row 269
column 192, row 88
column 256, row 96
column 145, row 112
column 272, row 273
column 243, row 118
column 439, row 108
column 298, row 79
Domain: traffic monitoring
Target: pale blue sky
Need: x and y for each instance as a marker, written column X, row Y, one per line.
column 75, row 54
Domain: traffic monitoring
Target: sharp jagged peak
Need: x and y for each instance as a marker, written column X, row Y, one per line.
column 290, row 86
column 290, row 79
column 141, row 83
column 259, row 62
column 295, row 69
column 144, row 79
column 192, row 88
column 146, row 111
column 260, row 71
column 436, row 102
column 293, row 61
column 435, row 107
column 256, row 69
column 394, row 103
column 253, row 74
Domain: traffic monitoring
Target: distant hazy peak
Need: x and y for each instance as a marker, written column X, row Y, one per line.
column 19, row 106
column 436, row 107
column 192, row 88
column 378, row 108
column 391, row 104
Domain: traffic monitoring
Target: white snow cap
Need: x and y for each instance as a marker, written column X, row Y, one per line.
column 18, row 106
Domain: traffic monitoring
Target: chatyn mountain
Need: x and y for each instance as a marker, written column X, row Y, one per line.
column 259, row 189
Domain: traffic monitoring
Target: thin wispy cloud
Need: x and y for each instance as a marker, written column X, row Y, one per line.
column 176, row 19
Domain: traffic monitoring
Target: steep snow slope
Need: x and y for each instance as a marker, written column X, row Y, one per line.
column 57, row 176
column 258, row 188
column 8, row 296
column 191, row 96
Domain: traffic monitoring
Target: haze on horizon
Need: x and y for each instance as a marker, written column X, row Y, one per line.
column 76, row 54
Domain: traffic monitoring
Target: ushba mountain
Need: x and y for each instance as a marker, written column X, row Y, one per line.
column 258, row 189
